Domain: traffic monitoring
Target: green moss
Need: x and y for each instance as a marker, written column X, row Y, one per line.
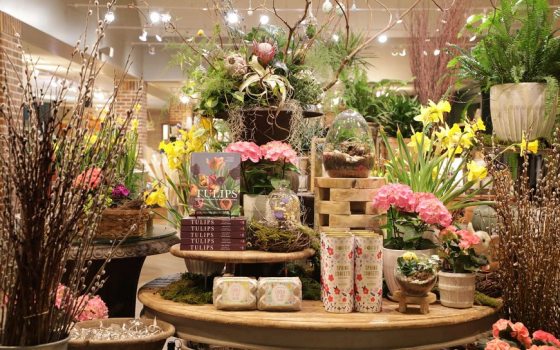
column 311, row 289
column 483, row 299
column 189, row 289
column 273, row 239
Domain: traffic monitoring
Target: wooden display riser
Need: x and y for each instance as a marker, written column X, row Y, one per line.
column 344, row 204
column 313, row 328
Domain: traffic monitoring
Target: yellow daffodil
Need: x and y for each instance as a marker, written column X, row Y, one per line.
column 134, row 124
column 419, row 140
column 156, row 197
column 531, row 147
column 477, row 172
column 200, row 32
column 137, row 107
column 433, row 113
column 478, row 125
column 410, row 256
column 92, row 139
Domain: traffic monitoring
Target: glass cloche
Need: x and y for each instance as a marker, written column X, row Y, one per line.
column 348, row 148
column 285, row 206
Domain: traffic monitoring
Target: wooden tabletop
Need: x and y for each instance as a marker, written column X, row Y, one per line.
column 241, row 257
column 314, row 328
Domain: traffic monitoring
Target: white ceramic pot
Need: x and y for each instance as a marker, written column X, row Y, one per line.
column 59, row 345
column 255, row 207
column 456, row 290
column 518, row 108
column 390, row 263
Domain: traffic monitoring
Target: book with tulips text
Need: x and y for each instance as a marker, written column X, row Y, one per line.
column 214, row 185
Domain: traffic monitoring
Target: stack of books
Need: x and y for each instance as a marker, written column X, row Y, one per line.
column 213, row 233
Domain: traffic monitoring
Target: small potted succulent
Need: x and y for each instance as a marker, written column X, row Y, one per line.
column 416, row 275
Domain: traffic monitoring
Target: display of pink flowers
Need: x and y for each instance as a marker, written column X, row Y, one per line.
column 515, row 336
column 545, row 338
column 264, row 51
column 93, row 309
column 247, row 150
column 429, row 208
column 467, row 239
column 89, row 178
column 278, row 151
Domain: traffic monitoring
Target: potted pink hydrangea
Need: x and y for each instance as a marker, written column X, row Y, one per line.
column 264, row 168
column 460, row 261
column 412, row 219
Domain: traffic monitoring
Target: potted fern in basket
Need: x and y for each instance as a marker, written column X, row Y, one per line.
column 517, row 61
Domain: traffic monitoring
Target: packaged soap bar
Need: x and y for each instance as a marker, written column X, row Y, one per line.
column 279, row 294
column 235, row 293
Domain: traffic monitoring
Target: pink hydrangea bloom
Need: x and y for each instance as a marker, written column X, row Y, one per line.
column 276, row 150
column 467, row 239
column 546, row 338
column 89, row 179
column 247, row 150
column 397, row 195
column 433, row 212
column 497, row 344
column 62, row 292
column 94, row 308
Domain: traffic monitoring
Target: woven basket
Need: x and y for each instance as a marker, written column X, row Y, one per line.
column 116, row 222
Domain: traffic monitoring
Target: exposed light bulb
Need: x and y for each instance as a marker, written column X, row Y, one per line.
column 250, row 12
column 335, row 37
column 399, row 21
column 165, row 17
column 184, row 99
column 99, row 95
column 158, row 37
column 264, row 19
column 152, row 50
column 354, row 7
column 205, row 9
column 382, row 38
column 425, row 53
column 144, row 36
column 155, row 17
column 394, row 53
column 340, row 9
column 402, row 53
column 110, row 17
column 327, row 6
column 232, row 18
column 437, row 52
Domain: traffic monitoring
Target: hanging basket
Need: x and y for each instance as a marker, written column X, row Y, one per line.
column 116, row 223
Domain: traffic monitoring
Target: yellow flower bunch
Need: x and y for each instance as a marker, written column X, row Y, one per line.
column 433, row 113
column 410, row 256
column 476, row 172
column 419, row 140
column 454, row 140
column 156, row 196
column 191, row 141
column 525, row 146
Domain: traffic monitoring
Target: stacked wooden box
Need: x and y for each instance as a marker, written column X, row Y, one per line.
column 213, row 233
column 346, row 203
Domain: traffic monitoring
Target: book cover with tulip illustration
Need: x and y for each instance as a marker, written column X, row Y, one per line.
column 214, row 187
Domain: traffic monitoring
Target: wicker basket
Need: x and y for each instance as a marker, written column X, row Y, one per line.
column 116, row 222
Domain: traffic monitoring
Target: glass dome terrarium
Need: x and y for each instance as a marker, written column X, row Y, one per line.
column 285, row 207
column 348, row 148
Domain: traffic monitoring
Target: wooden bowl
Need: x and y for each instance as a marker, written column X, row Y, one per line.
column 155, row 342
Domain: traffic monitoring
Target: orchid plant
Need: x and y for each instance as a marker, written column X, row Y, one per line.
column 264, row 168
column 439, row 159
column 410, row 216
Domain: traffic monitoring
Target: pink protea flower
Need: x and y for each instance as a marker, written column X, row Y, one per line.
column 264, row 51
column 397, row 195
column 89, row 179
column 247, row 150
column 467, row 239
column 276, row 150
column 433, row 212
column 93, row 309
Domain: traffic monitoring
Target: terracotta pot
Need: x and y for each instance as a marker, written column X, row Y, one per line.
column 58, row 345
column 390, row 263
column 521, row 108
column 456, row 290
column 155, row 342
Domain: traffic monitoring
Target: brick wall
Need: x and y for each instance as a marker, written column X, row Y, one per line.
column 125, row 99
column 178, row 112
column 9, row 52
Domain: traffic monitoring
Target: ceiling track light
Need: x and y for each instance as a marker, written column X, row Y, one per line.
column 159, row 38
column 382, row 38
column 151, row 50
column 250, row 9
column 232, row 17
column 165, row 18
column 264, row 19
column 144, row 36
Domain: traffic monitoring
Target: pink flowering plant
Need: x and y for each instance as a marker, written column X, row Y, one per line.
column 410, row 215
column 508, row 335
column 457, row 251
column 263, row 167
column 82, row 308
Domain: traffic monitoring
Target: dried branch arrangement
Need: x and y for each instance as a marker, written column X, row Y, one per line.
column 428, row 53
column 52, row 196
column 529, row 230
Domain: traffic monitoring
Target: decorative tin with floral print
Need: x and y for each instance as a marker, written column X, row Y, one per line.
column 337, row 271
column 368, row 251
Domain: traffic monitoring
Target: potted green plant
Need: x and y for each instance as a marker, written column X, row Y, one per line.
column 459, row 264
column 517, row 61
column 416, row 275
column 412, row 218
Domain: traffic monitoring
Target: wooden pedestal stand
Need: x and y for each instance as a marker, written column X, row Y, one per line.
column 346, row 203
column 405, row 300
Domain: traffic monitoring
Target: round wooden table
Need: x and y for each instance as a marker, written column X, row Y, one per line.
column 313, row 328
column 241, row 257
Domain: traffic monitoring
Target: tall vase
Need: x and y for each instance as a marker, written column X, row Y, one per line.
column 456, row 290
column 390, row 263
column 58, row 345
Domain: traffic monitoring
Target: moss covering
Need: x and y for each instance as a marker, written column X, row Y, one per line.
column 483, row 299
column 189, row 289
column 273, row 239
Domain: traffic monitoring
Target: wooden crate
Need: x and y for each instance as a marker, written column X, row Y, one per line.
column 344, row 204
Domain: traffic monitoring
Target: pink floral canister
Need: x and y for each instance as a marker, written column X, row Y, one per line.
column 368, row 271
column 337, row 271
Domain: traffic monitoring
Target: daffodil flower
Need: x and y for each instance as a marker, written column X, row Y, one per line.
column 477, row 172
column 433, row 113
column 156, row 197
column 531, row 147
column 419, row 140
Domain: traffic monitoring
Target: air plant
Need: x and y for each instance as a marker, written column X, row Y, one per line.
column 48, row 213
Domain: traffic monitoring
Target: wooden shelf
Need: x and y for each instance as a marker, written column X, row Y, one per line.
column 241, row 257
column 314, row 328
